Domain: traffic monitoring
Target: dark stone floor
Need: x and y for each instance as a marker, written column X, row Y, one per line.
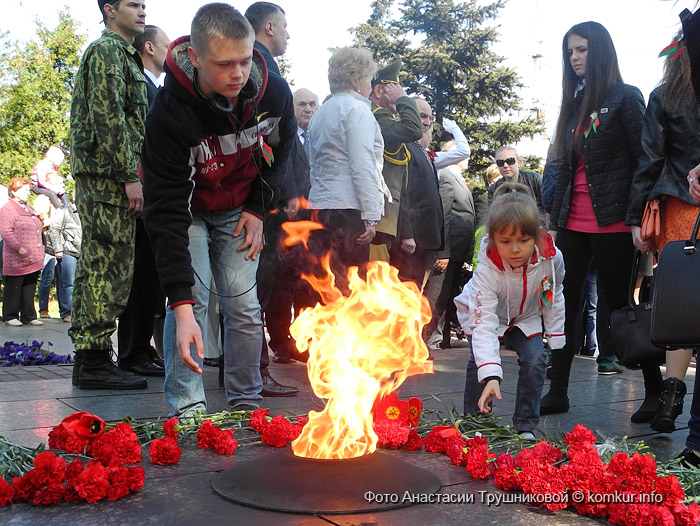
column 34, row 399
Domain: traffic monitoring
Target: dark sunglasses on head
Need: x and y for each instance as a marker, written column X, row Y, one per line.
column 501, row 162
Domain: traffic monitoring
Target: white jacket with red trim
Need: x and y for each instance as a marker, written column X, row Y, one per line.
column 499, row 297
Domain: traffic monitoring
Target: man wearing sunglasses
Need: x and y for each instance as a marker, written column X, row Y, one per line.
column 508, row 163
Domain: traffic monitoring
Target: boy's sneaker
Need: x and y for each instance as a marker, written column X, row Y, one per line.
column 44, row 314
column 612, row 368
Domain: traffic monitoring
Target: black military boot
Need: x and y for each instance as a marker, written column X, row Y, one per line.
column 97, row 371
column 77, row 362
column 671, row 405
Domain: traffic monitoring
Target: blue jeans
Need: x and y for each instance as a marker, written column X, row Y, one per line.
column 533, row 364
column 213, row 250
column 45, row 280
column 65, row 275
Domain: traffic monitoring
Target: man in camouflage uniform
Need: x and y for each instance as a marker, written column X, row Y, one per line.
column 107, row 123
column 400, row 123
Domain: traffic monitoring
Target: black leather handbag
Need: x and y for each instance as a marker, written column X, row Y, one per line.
column 630, row 328
column 675, row 322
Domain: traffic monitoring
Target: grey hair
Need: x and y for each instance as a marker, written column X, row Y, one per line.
column 348, row 64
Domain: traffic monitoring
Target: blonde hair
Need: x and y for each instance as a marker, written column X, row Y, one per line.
column 491, row 174
column 513, row 206
column 347, row 65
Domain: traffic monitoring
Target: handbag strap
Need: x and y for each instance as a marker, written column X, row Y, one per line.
column 689, row 247
column 633, row 278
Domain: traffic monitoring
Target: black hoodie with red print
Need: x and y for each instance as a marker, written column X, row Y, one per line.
column 196, row 158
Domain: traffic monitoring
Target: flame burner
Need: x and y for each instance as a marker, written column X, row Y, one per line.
column 281, row 481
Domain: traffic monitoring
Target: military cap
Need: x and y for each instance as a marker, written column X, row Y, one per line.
column 388, row 74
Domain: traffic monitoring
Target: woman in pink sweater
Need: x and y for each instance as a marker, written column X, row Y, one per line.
column 22, row 255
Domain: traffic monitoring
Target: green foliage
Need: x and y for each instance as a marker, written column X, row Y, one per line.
column 446, row 50
column 36, row 84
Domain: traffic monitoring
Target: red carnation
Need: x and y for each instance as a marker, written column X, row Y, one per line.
column 390, row 433
column 477, row 457
column 258, row 420
column 670, row 489
column 48, row 468
column 224, row 443
column 414, row 442
column 117, row 447
column 123, row 480
column 74, row 469
column 59, row 439
column 25, row 487
column 164, row 451
column 50, row 494
column 278, row 432
column 6, row 492
column 93, row 482
column 206, row 435
column 434, row 442
column 169, row 428
column 135, row 476
column 505, row 474
column 544, row 479
column 580, row 435
column 454, row 449
column 298, row 426
column 686, row 515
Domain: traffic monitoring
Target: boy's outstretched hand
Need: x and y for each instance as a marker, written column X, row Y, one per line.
column 491, row 389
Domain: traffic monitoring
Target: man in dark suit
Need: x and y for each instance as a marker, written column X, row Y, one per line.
column 270, row 25
column 145, row 311
column 289, row 290
column 443, row 285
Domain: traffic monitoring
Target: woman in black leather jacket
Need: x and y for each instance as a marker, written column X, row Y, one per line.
column 670, row 149
column 597, row 144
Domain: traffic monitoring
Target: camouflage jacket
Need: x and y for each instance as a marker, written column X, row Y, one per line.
column 108, row 111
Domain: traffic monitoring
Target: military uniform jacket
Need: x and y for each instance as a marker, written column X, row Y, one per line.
column 398, row 128
column 197, row 158
column 108, row 116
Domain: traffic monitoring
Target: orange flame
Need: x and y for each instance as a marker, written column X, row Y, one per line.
column 361, row 347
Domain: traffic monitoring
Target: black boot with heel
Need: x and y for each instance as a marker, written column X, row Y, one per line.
column 671, row 405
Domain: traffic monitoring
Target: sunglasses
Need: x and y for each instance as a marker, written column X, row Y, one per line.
column 501, row 162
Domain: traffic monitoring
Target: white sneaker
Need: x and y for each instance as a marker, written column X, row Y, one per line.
column 14, row 323
column 36, row 322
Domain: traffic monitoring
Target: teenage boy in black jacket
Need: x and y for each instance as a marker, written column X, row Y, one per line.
column 216, row 139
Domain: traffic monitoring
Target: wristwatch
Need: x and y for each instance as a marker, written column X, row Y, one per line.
column 370, row 222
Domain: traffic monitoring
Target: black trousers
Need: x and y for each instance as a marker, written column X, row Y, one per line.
column 18, row 301
column 279, row 270
column 613, row 256
column 146, row 301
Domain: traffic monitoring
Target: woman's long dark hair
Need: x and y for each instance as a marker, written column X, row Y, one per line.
column 602, row 72
column 677, row 94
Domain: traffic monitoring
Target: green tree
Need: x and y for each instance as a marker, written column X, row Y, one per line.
column 36, row 84
column 447, row 58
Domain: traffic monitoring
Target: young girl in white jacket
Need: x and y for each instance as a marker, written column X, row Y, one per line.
column 516, row 288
